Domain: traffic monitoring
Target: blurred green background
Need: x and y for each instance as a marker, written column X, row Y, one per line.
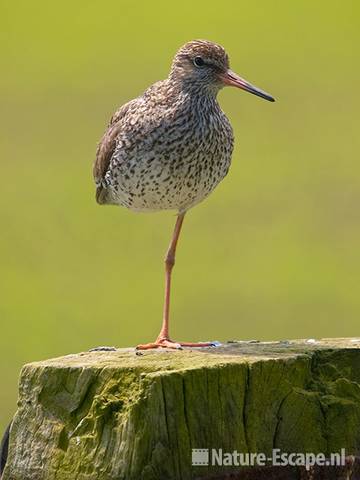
column 272, row 254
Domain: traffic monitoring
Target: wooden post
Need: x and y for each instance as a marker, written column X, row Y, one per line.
column 123, row 416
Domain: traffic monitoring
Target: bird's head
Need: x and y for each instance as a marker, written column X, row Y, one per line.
column 204, row 64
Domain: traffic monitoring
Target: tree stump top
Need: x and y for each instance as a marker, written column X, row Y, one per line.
column 233, row 351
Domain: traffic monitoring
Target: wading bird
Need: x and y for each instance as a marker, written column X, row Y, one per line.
column 170, row 147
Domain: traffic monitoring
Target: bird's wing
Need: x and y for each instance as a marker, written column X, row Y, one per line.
column 107, row 144
column 106, row 147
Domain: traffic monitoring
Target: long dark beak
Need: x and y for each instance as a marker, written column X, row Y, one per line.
column 231, row 78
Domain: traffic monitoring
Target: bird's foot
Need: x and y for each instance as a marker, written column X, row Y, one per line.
column 103, row 349
column 167, row 343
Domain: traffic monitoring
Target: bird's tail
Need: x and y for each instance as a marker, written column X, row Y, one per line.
column 104, row 195
column 101, row 194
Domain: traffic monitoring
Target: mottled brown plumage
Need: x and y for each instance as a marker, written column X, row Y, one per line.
column 170, row 147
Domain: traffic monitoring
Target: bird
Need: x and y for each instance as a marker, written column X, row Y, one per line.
column 170, row 147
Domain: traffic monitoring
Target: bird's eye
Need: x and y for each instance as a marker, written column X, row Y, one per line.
column 199, row 62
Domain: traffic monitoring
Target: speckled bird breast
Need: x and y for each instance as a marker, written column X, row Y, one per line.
column 169, row 155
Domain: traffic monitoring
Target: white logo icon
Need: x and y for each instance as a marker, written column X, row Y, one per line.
column 200, row 456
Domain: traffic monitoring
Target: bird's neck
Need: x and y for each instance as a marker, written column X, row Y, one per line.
column 198, row 94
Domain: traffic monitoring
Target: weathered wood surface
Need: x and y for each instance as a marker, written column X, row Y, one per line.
column 122, row 416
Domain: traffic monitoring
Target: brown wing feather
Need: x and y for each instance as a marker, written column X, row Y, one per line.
column 105, row 150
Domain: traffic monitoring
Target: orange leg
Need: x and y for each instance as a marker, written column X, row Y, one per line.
column 163, row 339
